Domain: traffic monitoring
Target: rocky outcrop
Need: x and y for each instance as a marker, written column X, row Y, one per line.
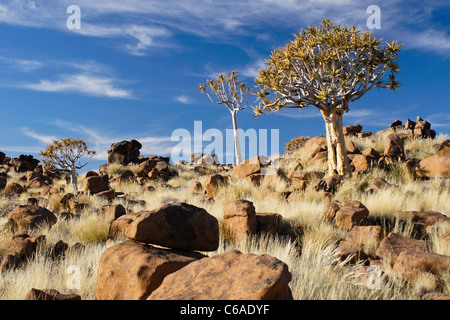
column 124, row 152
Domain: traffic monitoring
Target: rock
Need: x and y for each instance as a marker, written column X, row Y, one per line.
column 127, row 175
column 332, row 182
column 362, row 162
column 3, row 181
column 359, row 236
column 146, row 167
column 294, row 170
column 112, row 212
column 444, row 148
column 124, row 152
column 299, row 185
column 434, row 167
column 410, row 264
column 330, row 209
column 352, row 130
column 267, row 222
column 25, row 218
column 214, row 183
column 395, row 123
column 109, row 194
column 195, row 187
column 255, row 178
column 350, row 214
column 228, row 276
column 50, row 294
column 394, row 148
column 132, row 271
column 176, row 226
column 394, row 244
column 427, row 219
column 371, row 152
column 96, row 184
column 24, row 163
column 381, row 184
column 248, row 167
column 315, row 145
column 351, row 147
column 11, row 262
column 201, row 158
column 351, row 255
column 59, row 250
column 435, row 296
column 13, row 189
column 239, row 219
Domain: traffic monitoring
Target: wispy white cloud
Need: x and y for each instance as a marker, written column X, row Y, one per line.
column 46, row 139
column 82, row 83
column 185, row 99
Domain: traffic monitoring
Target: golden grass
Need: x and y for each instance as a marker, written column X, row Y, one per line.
column 316, row 274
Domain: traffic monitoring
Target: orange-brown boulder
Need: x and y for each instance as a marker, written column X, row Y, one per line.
column 132, row 271
column 239, row 219
column 228, row 276
column 394, row 244
column 175, row 225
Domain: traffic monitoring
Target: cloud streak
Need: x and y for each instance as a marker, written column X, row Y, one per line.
column 82, row 83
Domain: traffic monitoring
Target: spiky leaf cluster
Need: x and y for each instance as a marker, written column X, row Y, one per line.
column 66, row 154
column 326, row 66
column 228, row 90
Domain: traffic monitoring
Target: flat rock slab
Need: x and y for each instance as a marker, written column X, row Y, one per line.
column 228, row 276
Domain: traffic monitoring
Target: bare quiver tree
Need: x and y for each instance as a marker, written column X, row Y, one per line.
column 67, row 155
column 327, row 66
column 232, row 93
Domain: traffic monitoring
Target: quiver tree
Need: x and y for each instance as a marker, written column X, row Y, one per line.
column 327, row 66
column 68, row 155
column 232, row 93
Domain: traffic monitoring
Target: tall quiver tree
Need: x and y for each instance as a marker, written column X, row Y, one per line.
column 327, row 66
column 67, row 155
column 232, row 93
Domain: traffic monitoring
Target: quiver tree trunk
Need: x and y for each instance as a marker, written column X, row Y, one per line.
column 337, row 153
column 74, row 180
column 237, row 144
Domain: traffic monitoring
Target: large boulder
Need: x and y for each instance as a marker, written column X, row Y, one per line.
column 228, row 276
column 124, row 152
column 437, row 166
column 132, row 271
column 25, row 218
column 176, row 226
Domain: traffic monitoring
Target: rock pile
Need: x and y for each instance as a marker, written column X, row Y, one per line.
column 140, row 268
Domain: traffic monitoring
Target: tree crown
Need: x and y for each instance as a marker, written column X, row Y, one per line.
column 326, row 66
column 228, row 90
column 66, row 154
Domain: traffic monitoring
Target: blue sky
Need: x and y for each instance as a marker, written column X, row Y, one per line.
column 132, row 70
